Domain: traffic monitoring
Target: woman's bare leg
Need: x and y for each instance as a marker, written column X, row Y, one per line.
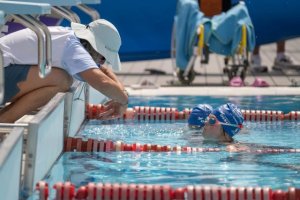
column 35, row 92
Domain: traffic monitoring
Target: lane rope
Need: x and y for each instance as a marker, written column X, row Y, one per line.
column 108, row 191
column 147, row 113
column 92, row 145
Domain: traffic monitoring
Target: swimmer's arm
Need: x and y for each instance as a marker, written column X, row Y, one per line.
column 237, row 147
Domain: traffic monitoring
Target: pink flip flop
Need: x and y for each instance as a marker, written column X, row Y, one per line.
column 258, row 82
column 236, row 82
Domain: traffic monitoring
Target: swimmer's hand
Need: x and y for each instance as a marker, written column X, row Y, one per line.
column 112, row 110
column 237, row 148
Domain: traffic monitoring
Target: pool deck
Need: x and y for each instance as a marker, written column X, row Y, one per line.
column 211, row 74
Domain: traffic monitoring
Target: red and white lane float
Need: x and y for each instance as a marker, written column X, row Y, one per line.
column 108, row 191
column 262, row 115
column 142, row 113
column 293, row 115
column 43, row 189
column 64, row 191
column 92, row 145
column 146, row 113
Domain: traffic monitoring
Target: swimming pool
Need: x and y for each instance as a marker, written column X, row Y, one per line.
column 283, row 103
column 178, row 169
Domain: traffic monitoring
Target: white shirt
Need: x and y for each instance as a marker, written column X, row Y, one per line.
column 21, row 47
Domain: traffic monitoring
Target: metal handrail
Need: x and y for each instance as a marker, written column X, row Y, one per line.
column 48, row 44
column 70, row 12
column 44, row 52
column 93, row 13
column 65, row 13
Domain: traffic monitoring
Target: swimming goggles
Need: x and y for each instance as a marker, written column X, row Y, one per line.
column 212, row 121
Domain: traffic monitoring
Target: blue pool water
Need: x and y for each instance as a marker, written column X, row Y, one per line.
column 179, row 169
column 276, row 134
column 283, row 103
column 278, row 171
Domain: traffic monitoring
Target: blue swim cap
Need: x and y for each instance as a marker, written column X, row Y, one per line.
column 199, row 115
column 229, row 114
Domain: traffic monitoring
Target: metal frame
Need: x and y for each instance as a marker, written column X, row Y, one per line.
column 15, row 9
column 66, row 13
column 94, row 14
column 44, row 43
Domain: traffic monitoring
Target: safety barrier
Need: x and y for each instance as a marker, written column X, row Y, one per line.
column 107, row 191
column 147, row 113
column 92, row 145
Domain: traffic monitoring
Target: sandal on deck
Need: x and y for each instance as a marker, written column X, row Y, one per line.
column 258, row 82
column 236, row 82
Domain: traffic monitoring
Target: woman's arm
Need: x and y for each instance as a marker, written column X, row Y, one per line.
column 107, row 71
column 107, row 84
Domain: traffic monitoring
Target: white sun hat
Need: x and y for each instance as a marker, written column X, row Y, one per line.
column 104, row 38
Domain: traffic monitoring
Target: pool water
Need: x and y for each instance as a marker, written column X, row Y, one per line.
column 283, row 103
column 278, row 171
column 286, row 133
column 178, row 169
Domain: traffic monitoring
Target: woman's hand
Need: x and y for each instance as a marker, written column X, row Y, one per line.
column 112, row 110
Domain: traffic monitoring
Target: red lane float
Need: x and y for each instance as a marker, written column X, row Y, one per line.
column 293, row 115
column 142, row 113
column 108, row 191
column 64, row 191
column 146, row 113
column 91, row 145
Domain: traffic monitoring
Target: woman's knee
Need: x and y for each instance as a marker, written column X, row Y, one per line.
column 64, row 80
column 59, row 79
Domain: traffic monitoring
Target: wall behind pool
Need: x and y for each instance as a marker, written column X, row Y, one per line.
column 146, row 26
column 274, row 20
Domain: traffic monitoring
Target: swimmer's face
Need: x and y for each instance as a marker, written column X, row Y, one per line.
column 215, row 132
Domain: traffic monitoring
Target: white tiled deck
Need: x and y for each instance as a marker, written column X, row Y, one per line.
column 211, row 74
